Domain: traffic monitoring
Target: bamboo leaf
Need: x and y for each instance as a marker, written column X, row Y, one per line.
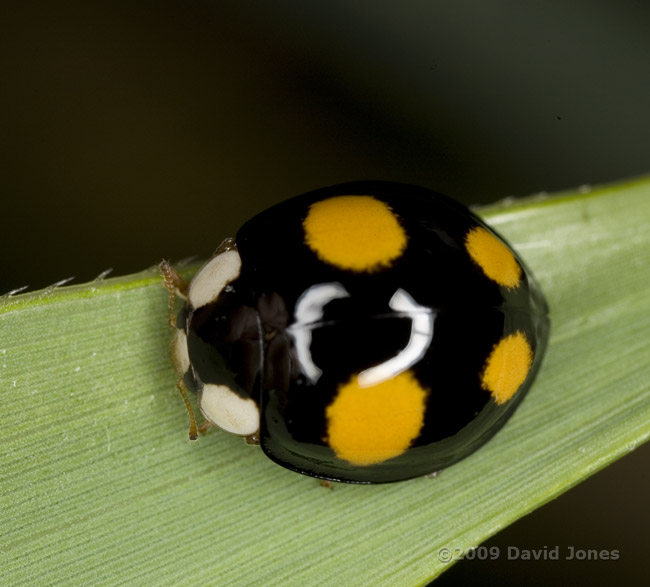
column 98, row 483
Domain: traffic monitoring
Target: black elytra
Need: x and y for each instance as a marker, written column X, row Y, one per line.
column 383, row 331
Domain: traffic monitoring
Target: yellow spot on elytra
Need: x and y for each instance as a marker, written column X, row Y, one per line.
column 367, row 425
column 357, row 233
column 507, row 367
column 494, row 257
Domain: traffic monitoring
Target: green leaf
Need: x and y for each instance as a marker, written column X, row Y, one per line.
column 100, row 485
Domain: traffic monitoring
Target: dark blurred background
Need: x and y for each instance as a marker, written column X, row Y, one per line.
column 135, row 130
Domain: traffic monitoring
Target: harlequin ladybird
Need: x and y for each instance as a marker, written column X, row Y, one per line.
column 366, row 332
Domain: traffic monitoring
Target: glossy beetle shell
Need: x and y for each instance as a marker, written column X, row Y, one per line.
column 369, row 355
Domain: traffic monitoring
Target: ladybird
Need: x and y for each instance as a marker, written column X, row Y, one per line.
column 366, row 332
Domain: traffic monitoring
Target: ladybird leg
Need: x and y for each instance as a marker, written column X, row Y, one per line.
column 203, row 428
column 434, row 474
column 327, row 484
column 174, row 283
column 180, row 384
column 227, row 244
column 253, row 439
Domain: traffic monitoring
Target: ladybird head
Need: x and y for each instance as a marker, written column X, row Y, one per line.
column 223, row 340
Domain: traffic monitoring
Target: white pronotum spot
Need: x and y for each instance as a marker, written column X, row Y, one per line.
column 180, row 357
column 213, row 277
column 232, row 413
